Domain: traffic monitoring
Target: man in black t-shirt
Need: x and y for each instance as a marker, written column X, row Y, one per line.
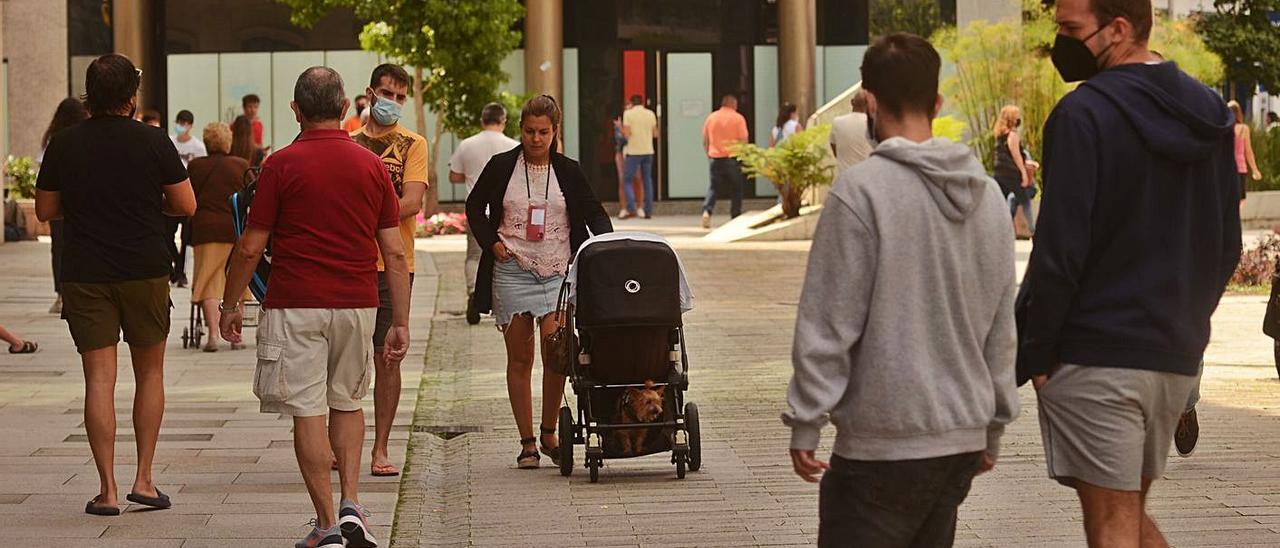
column 112, row 180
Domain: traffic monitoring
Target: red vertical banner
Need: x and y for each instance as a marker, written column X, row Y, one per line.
column 633, row 74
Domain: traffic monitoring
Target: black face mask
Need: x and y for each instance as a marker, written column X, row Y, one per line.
column 1072, row 58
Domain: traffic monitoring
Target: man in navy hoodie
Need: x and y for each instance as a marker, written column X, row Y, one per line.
column 1139, row 232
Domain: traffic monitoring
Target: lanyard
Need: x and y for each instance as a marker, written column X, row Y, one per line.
column 546, row 193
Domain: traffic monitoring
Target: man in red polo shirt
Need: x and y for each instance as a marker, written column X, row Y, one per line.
column 323, row 201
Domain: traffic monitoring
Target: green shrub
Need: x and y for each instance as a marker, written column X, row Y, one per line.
column 1266, row 150
column 20, row 173
column 796, row 164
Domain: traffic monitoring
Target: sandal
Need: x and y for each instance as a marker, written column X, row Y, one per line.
column 383, row 470
column 552, row 452
column 96, row 509
column 28, row 347
column 528, row 459
column 160, row 501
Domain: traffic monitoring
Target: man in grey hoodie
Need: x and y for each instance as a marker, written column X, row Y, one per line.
column 905, row 333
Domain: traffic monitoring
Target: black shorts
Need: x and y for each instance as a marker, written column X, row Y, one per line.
column 383, row 323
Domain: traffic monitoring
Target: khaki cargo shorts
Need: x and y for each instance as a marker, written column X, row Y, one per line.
column 311, row 360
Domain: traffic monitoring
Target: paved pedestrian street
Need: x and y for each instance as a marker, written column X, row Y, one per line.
column 231, row 473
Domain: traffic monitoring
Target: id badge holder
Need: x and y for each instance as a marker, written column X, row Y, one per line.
column 536, row 229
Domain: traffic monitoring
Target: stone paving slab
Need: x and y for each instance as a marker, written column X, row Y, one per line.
column 466, row 491
column 230, row 469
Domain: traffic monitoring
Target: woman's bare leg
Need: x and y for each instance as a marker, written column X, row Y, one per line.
column 519, row 338
column 211, row 318
column 552, row 386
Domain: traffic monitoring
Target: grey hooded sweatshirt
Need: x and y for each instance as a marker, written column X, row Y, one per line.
column 905, row 336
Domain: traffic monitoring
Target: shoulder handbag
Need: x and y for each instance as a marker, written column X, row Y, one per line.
column 560, row 347
column 1271, row 322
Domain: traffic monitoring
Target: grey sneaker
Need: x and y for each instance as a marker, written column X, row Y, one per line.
column 321, row 539
column 355, row 527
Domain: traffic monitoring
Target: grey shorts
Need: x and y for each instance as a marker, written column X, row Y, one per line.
column 1110, row 427
column 383, row 323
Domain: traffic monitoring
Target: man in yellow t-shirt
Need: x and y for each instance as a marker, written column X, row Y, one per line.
column 639, row 126
column 404, row 153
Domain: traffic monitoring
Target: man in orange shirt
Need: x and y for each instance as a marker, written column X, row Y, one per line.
column 356, row 121
column 723, row 128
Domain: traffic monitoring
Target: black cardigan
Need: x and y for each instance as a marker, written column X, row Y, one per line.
column 585, row 211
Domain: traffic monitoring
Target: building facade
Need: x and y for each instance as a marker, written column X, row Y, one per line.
column 680, row 55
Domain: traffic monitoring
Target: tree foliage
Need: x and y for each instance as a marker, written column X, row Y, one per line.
column 1242, row 33
column 918, row 17
column 459, row 46
column 1008, row 63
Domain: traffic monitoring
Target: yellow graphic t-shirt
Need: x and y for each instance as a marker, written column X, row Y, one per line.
column 404, row 153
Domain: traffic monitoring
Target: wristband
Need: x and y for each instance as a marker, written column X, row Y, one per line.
column 223, row 309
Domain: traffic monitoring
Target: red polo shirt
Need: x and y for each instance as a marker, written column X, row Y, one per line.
column 323, row 198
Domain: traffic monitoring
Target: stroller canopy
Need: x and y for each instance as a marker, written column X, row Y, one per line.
column 628, row 279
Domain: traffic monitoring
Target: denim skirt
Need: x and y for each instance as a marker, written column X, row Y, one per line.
column 517, row 291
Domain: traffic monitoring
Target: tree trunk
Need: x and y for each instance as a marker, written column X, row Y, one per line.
column 433, row 175
column 431, row 200
column 790, row 201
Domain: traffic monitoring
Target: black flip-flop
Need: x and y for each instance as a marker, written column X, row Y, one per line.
column 28, row 347
column 160, row 501
column 96, row 509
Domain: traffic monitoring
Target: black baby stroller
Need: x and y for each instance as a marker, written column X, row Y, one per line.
column 630, row 294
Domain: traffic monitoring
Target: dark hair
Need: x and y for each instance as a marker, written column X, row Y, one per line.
column 902, row 71
column 637, row 99
column 361, row 97
column 727, row 99
column 544, row 105
column 109, row 83
column 319, row 94
column 784, row 113
column 70, row 112
column 250, row 99
column 242, row 144
column 493, row 113
column 1138, row 12
column 151, row 115
column 185, row 116
column 396, row 73
column 859, row 101
column 1273, row 117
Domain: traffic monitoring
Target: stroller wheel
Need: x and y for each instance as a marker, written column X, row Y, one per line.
column 186, row 338
column 680, row 466
column 566, row 442
column 695, row 436
column 594, row 466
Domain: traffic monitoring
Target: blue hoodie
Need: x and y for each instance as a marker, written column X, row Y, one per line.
column 1139, row 229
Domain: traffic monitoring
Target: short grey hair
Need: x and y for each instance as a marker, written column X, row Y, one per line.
column 493, row 113
column 319, row 94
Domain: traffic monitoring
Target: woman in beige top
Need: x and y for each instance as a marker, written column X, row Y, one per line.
column 539, row 209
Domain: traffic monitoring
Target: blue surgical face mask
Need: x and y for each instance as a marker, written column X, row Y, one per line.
column 385, row 111
column 180, row 129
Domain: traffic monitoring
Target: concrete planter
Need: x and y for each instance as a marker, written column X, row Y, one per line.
column 1261, row 210
column 35, row 228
